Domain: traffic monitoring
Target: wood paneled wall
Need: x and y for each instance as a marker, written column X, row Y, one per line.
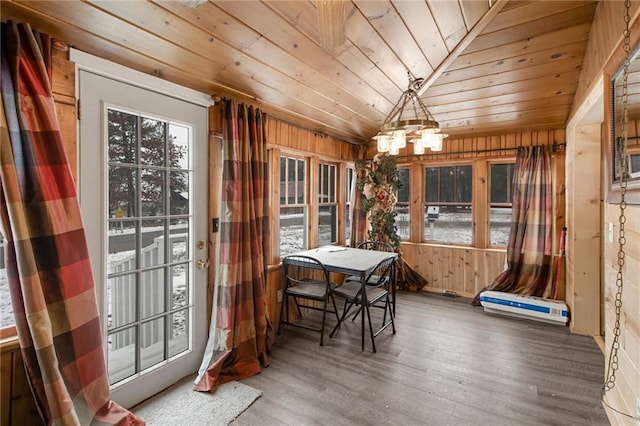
column 467, row 270
column 604, row 39
column 626, row 392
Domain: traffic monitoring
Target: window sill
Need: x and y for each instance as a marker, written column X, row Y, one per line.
column 9, row 339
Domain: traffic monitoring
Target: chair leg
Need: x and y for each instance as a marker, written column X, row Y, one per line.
column 335, row 307
column 283, row 319
column 324, row 316
column 373, row 341
column 363, row 306
column 345, row 310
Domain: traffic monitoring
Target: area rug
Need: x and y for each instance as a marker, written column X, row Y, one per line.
column 181, row 405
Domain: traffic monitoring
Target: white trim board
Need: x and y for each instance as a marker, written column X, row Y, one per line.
column 121, row 73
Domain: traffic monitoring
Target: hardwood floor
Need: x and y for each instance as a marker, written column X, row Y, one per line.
column 448, row 364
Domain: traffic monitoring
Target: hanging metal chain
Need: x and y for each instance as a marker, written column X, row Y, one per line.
column 613, row 364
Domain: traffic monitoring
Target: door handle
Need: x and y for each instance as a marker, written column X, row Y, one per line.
column 202, row 264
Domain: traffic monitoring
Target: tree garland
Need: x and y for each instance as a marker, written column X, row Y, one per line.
column 379, row 183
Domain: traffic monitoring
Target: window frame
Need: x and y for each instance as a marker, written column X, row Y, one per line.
column 489, row 204
column 305, row 205
column 407, row 203
column 448, row 163
column 331, row 187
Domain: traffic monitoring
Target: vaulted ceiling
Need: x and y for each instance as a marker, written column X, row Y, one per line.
column 488, row 67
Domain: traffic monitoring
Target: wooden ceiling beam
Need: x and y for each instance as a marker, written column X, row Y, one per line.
column 464, row 43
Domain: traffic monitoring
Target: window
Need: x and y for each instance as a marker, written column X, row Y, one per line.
column 350, row 190
column 293, row 207
column 501, row 176
column 447, row 208
column 6, row 310
column 148, row 230
column 402, row 205
column 327, row 205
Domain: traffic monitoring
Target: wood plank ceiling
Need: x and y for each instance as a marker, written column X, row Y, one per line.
column 517, row 69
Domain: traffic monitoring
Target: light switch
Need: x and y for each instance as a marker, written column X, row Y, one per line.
column 610, row 232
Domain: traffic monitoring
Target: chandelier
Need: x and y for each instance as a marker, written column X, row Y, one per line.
column 411, row 121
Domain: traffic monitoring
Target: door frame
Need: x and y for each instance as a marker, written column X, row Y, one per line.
column 124, row 392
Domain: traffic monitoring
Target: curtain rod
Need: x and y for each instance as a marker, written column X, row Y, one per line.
column 555, row 147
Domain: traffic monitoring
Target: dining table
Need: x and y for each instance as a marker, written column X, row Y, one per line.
column 353, row 262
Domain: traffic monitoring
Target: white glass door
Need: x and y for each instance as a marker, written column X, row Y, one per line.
column 143, row 198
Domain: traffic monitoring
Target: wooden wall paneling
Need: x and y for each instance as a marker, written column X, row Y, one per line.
column 583, row 237
column 605, row 33
column 463, row 270
column 469, row 273
column 63, row 86
column 274, row 203
column 480, row 195
column 23, row 409
column 416, row 224
column 559, row 207
column 627, row 389
column 313, row 189
column 6, row 371
column 275, row 283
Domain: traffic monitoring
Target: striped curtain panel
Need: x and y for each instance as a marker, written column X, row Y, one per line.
column 358, row 218
column 240, row 332
column 529, row 247
column 48, row 269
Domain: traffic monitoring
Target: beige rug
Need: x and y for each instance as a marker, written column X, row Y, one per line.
column 180, row 405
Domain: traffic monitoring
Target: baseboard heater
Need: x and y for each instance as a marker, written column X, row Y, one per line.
column 529, row 307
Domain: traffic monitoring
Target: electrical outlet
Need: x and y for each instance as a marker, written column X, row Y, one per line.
column 279, row 295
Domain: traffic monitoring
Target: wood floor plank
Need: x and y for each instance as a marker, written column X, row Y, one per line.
column 448, row 364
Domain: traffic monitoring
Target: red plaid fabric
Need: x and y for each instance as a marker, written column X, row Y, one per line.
column 529, row 247
column 237, row 346
column 50, row 280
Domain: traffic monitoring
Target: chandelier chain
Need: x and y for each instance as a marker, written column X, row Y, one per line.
column 613, row 363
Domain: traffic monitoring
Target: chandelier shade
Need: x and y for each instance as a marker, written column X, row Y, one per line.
column 410, row 121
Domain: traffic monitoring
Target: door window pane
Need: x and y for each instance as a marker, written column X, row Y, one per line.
column 149, row 221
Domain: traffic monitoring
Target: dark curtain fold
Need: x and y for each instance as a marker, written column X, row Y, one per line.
column 358, row 218
column 50, row 280
column 241, row 332
column 529, row 247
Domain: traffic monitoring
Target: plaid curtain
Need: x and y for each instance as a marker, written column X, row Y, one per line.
column 358, row 219
column 238, row 339
column 48, row 269
column 529, row 248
